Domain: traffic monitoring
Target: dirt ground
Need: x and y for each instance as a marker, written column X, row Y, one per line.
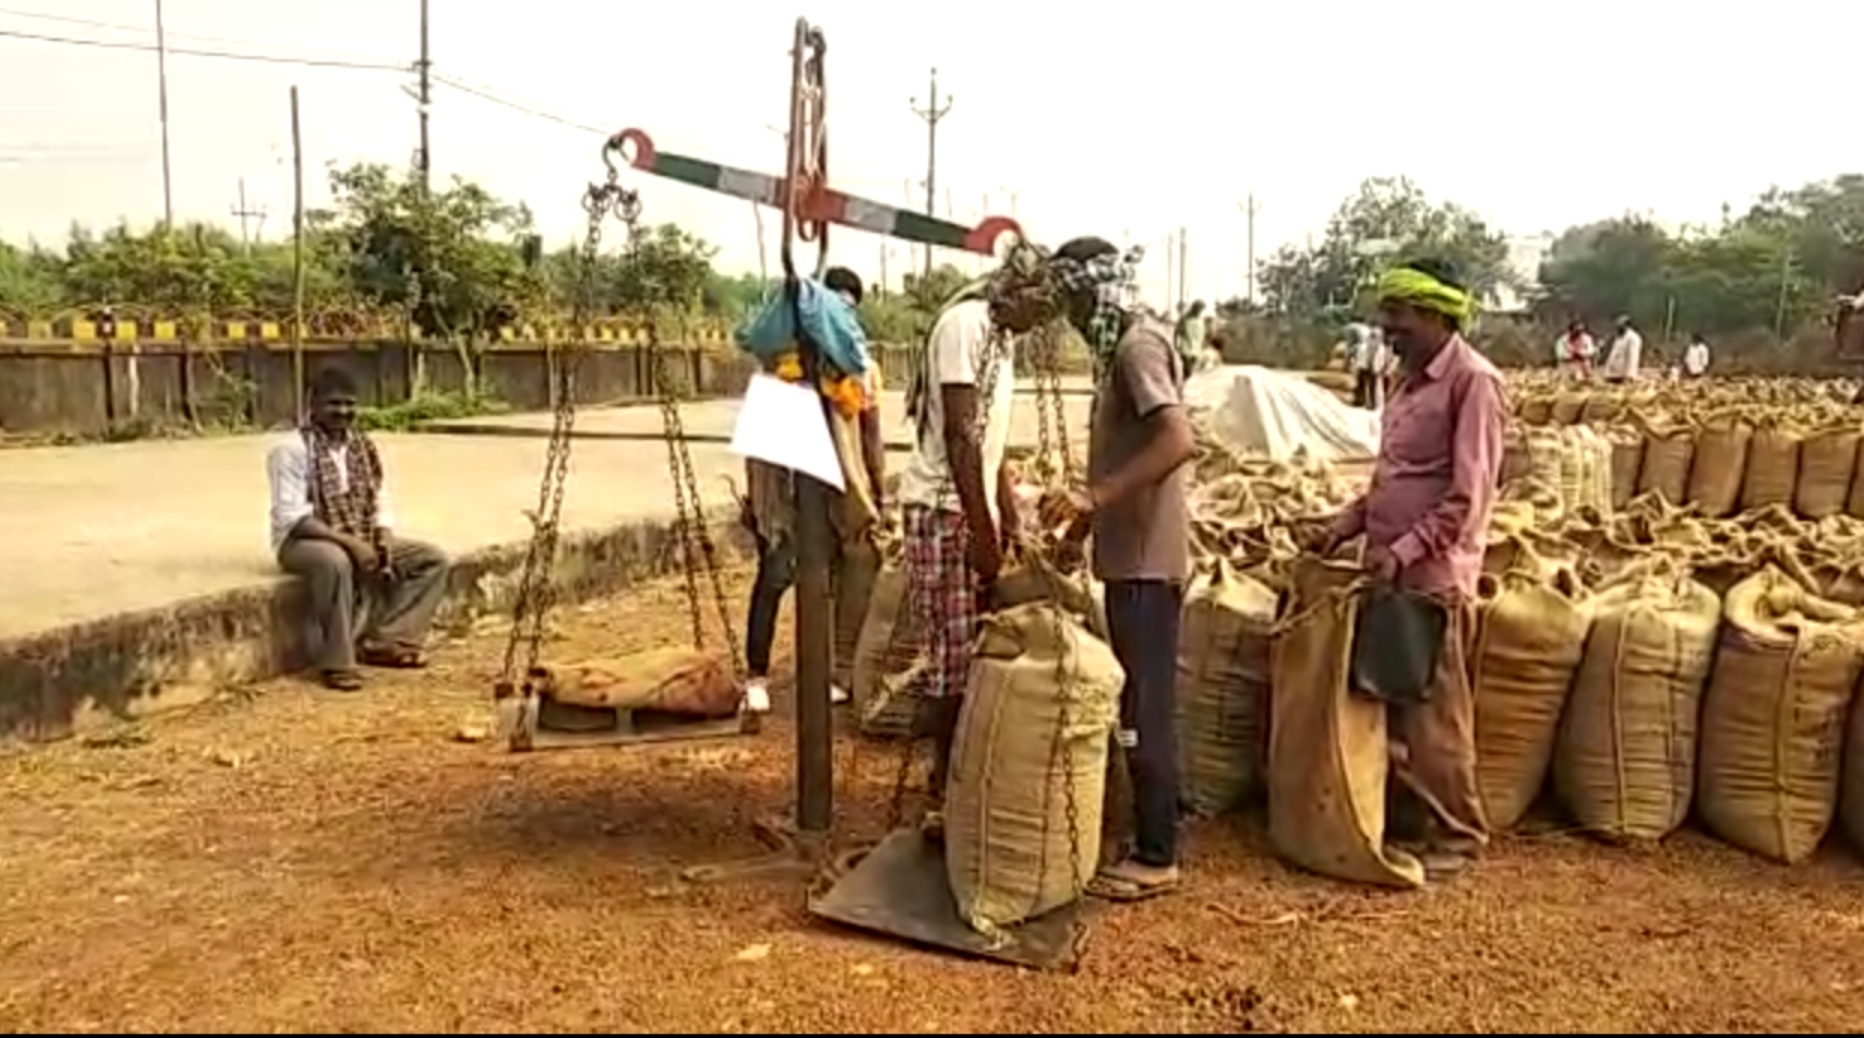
column 300, row 860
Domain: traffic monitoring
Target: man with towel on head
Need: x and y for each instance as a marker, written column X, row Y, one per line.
column 1423, row 518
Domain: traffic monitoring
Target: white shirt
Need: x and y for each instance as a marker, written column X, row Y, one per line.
column 957, row 349
column 1622, row 361
column 1696, row 358
column 288, row 469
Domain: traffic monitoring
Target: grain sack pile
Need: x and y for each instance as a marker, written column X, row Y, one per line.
column 1723, row 446
column 1591, row 658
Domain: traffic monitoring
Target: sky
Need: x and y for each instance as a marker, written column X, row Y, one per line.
column 1130, row 124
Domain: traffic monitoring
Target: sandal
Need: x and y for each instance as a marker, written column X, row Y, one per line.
column 1123, row 883
column 394, row 657
column 342, row 680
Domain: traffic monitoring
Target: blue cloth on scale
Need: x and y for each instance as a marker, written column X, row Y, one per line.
column 829, row 321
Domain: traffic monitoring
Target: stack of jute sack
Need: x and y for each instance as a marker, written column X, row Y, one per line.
column 1724, row 446
column 1634, row 666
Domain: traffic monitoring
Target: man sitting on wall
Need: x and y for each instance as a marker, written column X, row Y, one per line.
column 331, row 525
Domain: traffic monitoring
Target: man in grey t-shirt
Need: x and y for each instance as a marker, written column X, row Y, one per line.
column 1135, row 505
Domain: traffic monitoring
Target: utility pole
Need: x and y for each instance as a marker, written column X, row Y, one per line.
column 161, row 93
column 883, row 269
column 1249, row 273
column 243, row 213
column 425, row 164
column 932, row 114
column 297, row 257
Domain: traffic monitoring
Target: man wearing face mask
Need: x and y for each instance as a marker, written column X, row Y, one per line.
column 1135, row 504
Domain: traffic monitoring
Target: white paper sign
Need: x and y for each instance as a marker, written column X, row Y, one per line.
column 782, row 423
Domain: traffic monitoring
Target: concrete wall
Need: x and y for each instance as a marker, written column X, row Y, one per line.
column 90, row 389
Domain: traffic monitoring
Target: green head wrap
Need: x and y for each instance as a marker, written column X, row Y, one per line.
column 1422, row 290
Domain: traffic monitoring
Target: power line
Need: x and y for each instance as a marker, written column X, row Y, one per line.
column 141, row 30
column 536, row 113
column 193, row 52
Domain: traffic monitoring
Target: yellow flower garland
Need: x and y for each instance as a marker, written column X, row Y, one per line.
column 847, row 392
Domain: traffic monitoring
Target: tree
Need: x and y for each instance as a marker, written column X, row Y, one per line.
column 453, row 259
column 1386, row 219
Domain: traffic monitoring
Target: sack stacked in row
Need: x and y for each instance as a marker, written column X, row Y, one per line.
column 1740, row 460
column 1542, row 398
column 1601, row 682
column 1570, row 468
column 1653, row 695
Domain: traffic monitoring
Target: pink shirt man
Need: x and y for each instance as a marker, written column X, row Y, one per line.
column 1440, row 457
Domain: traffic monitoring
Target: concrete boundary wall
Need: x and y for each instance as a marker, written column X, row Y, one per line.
column 80, row 677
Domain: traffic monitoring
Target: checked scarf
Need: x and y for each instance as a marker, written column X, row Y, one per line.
column 350, row 511
column 1034, row 282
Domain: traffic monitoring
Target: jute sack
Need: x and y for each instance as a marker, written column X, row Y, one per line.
column 1535, row 410
column 1568, row 408
column 1851, row 796
column 1032, row 739
column 1773, row 720
column 1627, row 461
column 1720, row 461
column 1828, row 460
column 1772, row 468
column 1854, row 501
column 1329, row 758
column 1665, row 471
column 1530, row 637
column 885, row 656
column 1601, row 408
column 853, row 596
column 1223, row 688
column 1624, row 763
column 676, row 680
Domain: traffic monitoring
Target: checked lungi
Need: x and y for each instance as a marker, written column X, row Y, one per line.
column 944, row 596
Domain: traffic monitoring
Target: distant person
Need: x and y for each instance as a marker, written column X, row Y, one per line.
column 1625, row 353
column 770, row 514
column 371, row 595
column 1576, row 350
column 1696, row 357
column 1368, row 358
column 1191, row 334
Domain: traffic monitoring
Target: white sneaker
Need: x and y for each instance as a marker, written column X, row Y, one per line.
column 838, row 695
column 757, row 696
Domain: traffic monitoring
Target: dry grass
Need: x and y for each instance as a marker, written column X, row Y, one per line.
column 302, row 861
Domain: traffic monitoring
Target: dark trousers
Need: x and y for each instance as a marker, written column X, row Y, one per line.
column 1142, row 618
column 776, row 572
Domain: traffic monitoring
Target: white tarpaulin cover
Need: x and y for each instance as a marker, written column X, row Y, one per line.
column 1276, row 414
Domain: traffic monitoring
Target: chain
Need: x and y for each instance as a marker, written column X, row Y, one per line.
column 697, row 548
column 536, row 588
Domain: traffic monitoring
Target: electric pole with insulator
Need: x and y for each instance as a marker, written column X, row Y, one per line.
column 932, row 114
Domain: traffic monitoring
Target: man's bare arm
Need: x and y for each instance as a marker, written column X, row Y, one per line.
column 964, row 451
column 1169, row 445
